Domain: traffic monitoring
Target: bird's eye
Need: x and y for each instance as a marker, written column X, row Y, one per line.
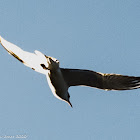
column 56, row 61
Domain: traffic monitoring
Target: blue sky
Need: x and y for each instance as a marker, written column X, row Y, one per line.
column 99, row 35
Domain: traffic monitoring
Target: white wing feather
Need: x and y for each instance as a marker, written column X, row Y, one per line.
column 32, row 60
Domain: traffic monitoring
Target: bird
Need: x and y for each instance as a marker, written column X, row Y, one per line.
column 60, row 79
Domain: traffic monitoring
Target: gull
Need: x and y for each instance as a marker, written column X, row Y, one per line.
column 60, row 79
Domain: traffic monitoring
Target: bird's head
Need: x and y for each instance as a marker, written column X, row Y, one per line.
column 53, row 63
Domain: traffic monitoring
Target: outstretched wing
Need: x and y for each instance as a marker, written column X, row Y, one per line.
column 75, row 77
column 32, row 60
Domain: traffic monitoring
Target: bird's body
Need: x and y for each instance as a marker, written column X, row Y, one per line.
column 60, row 79
column 58, row 85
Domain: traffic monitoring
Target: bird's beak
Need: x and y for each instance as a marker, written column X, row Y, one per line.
column 48, row 60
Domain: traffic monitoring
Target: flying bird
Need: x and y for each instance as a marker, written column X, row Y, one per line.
column 60, row 79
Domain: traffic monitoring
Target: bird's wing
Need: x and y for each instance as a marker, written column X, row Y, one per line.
column 75, row 77
column 32, row 60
